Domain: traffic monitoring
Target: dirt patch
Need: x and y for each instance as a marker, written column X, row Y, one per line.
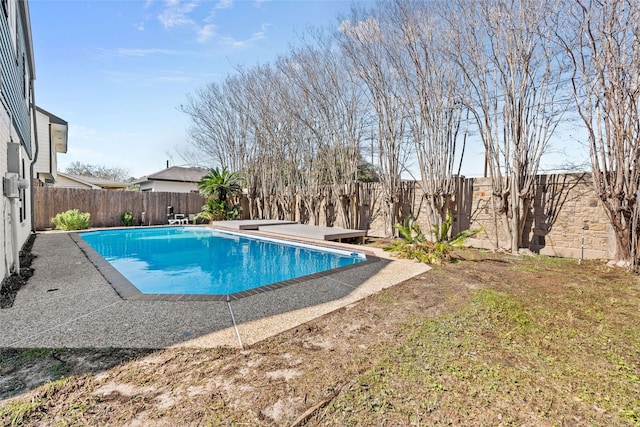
column 24, row 369
column 478, row 340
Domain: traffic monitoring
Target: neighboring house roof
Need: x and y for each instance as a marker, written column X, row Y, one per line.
column 176, row 174
column 95, row 183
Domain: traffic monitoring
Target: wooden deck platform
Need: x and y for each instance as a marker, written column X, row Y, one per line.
column 293, row 229
column 250, row 224
column 313, row 231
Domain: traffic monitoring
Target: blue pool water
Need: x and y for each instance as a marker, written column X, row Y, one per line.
column 201, row 260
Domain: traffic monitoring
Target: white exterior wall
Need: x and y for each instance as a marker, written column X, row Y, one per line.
column 16, row 125
column 43, row 162
column 23, row 222
column 169, row 186
column 5, row 230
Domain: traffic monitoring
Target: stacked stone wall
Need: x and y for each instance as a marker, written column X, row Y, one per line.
column 564, row 210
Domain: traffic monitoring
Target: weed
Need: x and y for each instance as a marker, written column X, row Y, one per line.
column 59, row 369
column 33, row 353
column 15, row 413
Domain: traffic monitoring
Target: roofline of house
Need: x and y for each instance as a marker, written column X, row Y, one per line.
column 76, row 179
column 52, row 117
column 26, row 28
column 97, row 186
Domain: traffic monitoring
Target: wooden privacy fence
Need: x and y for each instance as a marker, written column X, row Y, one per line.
column 106, row 206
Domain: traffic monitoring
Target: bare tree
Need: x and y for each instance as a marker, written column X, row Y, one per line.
column 325, row 101
column 602, row 40
column 218, row 128
column 432, row 89
column 114, row 173
column 362, row 41
column 514, row 71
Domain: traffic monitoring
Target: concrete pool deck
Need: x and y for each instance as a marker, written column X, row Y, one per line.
column 68, row 303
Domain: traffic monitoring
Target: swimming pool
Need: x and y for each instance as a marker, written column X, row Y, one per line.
column 206, row 261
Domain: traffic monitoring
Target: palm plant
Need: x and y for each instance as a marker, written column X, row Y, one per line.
column 443, row 243
column 410, row 231
column 220, row 186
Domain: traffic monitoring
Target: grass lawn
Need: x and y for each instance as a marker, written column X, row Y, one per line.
column 488, row 340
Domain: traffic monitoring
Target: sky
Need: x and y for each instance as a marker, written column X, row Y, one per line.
column 117, row 70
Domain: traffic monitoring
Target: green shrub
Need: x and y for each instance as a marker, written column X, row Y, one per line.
column 127, row 218
column 414, row 245
column 217, row 210
column 72, row 220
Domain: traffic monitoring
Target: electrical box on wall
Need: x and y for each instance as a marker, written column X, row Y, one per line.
column 13, row 157
column 10, row 185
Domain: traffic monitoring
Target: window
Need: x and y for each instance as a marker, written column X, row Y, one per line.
column 5, row 8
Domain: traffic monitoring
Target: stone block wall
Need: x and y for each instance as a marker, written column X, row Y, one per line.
column 565, row 208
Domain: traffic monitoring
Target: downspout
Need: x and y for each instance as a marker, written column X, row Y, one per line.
column 36, row 150
column 28, row 50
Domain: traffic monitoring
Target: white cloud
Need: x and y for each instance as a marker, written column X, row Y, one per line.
column 230, row 41
column 206, row 32
column 183, row 14
column 140, row 26
column 176, row 13
column 148, row 78
column 259, row 35
column 224, row 4
column 220, row 5
column 144, row 52
column 367, row 30
column 169, row 77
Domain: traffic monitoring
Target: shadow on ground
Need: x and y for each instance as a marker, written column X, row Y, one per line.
column 24, row 369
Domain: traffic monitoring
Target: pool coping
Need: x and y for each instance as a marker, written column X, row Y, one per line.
column 128, row 291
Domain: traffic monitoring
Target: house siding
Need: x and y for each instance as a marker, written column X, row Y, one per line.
column 169, row 186
column 43, row 163
column 15, row 73
column 16, row 123
column 64, row 182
